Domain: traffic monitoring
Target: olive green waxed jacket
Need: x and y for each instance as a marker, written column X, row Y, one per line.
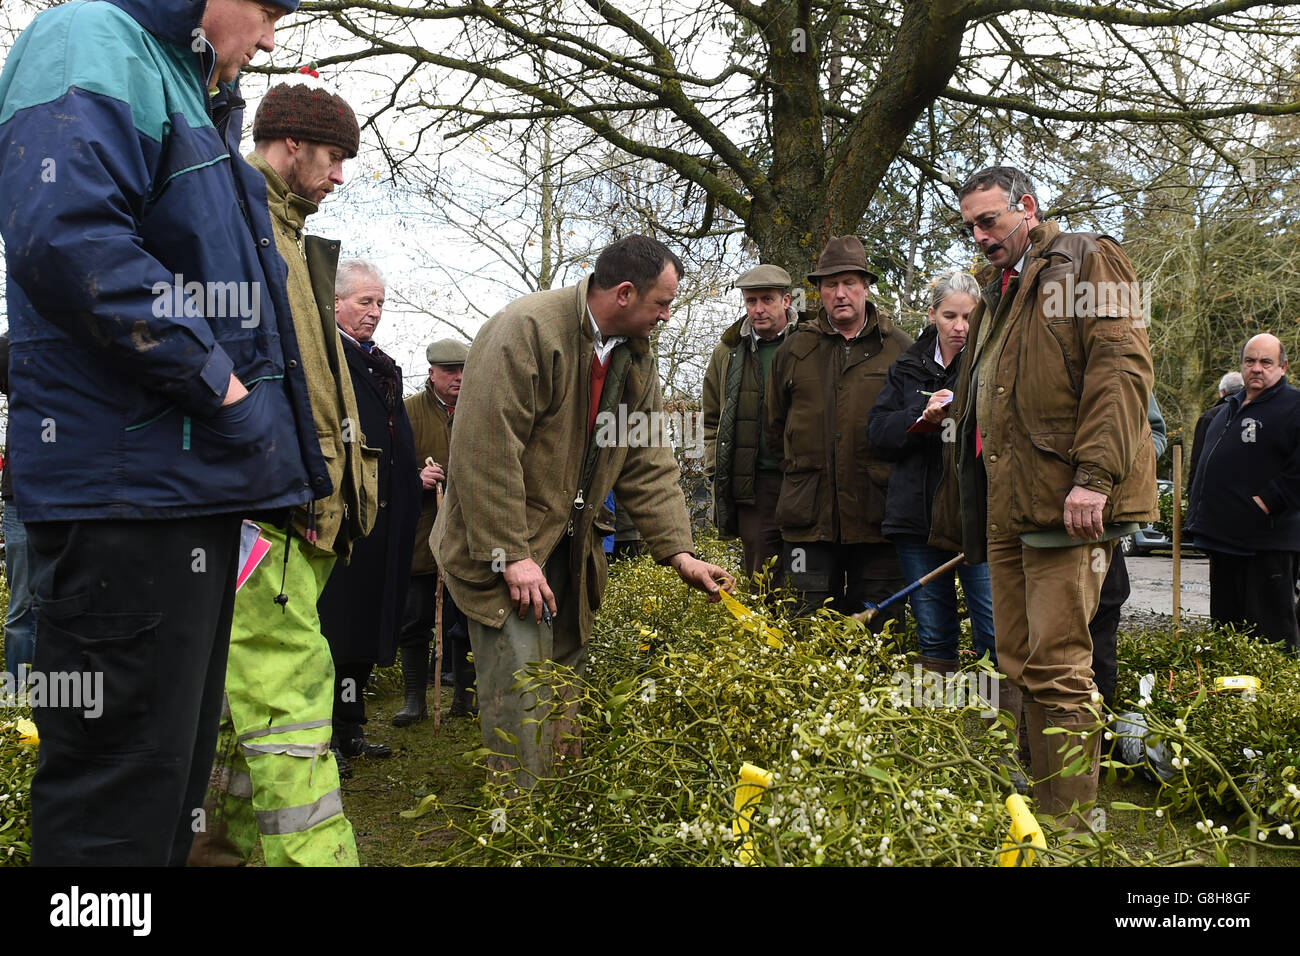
column 519, row 447
column 348, row 513
column 431, row 427
column 733, row 419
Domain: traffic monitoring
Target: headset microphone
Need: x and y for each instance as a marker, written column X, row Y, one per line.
column 1013, row 231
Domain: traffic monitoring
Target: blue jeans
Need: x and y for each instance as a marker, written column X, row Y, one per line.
column 935, row 605
column 20, row 624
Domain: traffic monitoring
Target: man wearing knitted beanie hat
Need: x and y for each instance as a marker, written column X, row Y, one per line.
column 273, row 756
column 305, row 133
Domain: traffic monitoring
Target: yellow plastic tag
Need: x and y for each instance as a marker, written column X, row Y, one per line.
column 749, row 790
column 27, row 732
column 1024, row 829
column 754, row 623
column 1237, row 682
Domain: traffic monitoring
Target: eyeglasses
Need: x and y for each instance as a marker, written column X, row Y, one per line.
column 985, row 222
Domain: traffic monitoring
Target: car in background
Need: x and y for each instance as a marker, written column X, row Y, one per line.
column 1147, row 539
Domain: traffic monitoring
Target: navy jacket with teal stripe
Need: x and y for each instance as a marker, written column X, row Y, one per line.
column 142, row 271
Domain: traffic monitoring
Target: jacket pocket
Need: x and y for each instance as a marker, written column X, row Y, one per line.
column 1056, row 444
column 329, row 448
column 604, row 522
column 797, row 505
column 877, row 492
column 1052, row 476
column 535, row 514
column 246, row 439
column 1242, row 519
column 368, row 493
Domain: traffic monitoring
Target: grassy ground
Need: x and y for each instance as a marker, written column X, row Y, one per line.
column 423, row 762
column 1123, row 828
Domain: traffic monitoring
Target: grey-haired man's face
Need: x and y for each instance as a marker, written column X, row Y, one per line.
column 358, row 313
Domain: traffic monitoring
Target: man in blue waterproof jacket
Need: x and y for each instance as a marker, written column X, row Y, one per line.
column 156, row 398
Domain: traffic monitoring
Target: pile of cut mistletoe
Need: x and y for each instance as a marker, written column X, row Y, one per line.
column 715, row 739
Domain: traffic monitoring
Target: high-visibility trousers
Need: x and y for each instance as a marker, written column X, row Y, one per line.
column 274, row 774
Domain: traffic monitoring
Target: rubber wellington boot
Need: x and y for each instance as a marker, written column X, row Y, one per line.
column 415, row 677
column 1011, row 700
column 465, row 703
column 1040, row 758
column 1075, row 794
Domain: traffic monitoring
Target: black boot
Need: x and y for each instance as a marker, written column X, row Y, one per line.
column 465, row 703
column 360, row 747
column 415, row 675
column 345, row 768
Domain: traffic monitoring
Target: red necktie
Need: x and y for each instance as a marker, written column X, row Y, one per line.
column 1006, row 278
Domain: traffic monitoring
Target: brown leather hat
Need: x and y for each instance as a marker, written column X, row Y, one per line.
column 843, row 254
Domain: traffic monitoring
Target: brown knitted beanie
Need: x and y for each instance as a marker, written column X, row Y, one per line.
column 308, row 113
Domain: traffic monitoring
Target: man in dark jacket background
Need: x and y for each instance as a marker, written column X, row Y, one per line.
column 361, row 607
column 1245, row 501
column 141, row 300
column 825, row 378
column 1230, row 384
column 745, row 471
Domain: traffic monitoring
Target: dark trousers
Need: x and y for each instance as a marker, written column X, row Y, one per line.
column 760, row 535
column 1104, row 627
column 142, row 609
column 349, row 700
column 848, row 575
column 1258, row 590
column 419, row 621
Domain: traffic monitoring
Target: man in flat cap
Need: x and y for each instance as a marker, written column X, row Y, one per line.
column 431, row 411
column 744, row 469
column 825, row 378
column 273, row 760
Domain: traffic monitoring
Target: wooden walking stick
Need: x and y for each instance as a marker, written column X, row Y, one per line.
column 865, row 616
column 1177, row 530
column 437, row 629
